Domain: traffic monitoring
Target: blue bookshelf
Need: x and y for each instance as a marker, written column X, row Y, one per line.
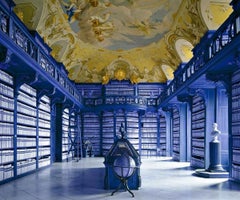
column 235, row 136
column 6, row 126
column 163, row 135
column 26, row 129
column 65, row 132
column 108, row 130
column 44, row 132
column 92, row 132
column 176, row 134
column 198, row 116
column 132, row 128
column 149, row 134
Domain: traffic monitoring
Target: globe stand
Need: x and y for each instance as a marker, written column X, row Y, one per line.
column 125, row 185
column 124, row 167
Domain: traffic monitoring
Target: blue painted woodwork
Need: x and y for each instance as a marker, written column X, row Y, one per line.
column 26, row 58
column 42, row 68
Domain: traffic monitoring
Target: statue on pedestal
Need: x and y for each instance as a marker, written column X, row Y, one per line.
column 215, row 169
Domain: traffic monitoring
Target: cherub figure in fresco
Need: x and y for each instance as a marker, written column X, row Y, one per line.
column 72, row 8
column 101, row 26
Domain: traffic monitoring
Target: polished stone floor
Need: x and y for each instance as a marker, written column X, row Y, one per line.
column 83, row 180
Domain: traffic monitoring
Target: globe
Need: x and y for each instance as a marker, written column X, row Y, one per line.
column 124, row 166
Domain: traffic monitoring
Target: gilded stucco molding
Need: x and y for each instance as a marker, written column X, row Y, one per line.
column 190, row 25
column 88, row 63
column 214, row 13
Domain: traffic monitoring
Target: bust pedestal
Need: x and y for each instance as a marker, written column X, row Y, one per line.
column 215, row 169
column 215, row 157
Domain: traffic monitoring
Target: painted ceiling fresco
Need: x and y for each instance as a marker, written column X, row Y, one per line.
column 120, row 24
column 136, row 40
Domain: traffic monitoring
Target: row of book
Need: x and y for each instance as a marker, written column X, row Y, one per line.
column 6, row 172
column 6, row 90
column 198, row 132
column 236, row 115
column 236, row 172
column 198, row 152
column 235, row 126
column 6, row 102
column 6, row 156
column 6, row 116
column 236, row 142
column 23, row 154
column 6, row 142
column 26, row 131
column 26, row 166
column 27, row 96
column 198, row 115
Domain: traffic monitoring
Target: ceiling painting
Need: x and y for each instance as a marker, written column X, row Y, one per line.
column 137, row 40
column 120, row 24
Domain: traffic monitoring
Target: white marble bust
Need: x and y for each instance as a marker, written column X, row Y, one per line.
column 215, row 132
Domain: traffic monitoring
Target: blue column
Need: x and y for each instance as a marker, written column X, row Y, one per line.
column 168, row 134
column 183, row 131
column 210, row 102
column 58, row 134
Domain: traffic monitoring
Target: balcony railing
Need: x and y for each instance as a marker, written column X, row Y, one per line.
column 212, row 44
column 15, row 30
column 121, row 100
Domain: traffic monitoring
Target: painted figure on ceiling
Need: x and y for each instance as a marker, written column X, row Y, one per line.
column 101, row 26
column 73, row 7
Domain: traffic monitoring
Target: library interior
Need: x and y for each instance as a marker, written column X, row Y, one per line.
column 114, row 99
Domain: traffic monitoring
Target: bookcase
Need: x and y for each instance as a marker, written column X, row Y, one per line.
column 6, row 127
column 198, row 116
column 74, row 137
column 108, row 128
column 132, row 128
column 163, row 139
column 65, row 130
column 149, row 134
column 117, row 88
column 149, row 90
column 26, row 129
column 89, row 90
column 235, row 137
column 44, row 132
column 91, row 132
column 176, row 134
column 25, row 139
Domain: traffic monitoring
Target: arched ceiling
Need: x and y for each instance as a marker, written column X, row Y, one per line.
column 139, row 40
